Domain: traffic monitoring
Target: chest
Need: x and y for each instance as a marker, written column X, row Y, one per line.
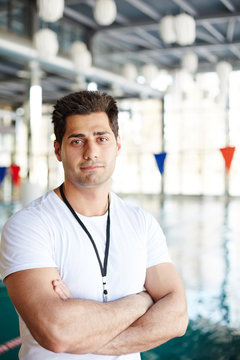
column 79, row 267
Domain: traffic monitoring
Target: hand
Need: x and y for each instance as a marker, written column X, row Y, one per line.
column 147, row 298
column 61, row 289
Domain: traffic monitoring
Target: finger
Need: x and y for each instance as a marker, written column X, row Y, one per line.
column 60, row 293
column 61, row 289
column 58, row 290
column 65, row 289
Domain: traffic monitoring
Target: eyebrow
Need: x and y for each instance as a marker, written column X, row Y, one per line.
column 95, row 133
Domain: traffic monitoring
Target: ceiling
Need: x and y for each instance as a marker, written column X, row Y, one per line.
column 133, row 37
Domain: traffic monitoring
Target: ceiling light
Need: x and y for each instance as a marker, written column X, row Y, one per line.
column 105, row 12
column 185, row 27
column 167, row 29
column 190, row 62
column 50, row 10
column 80, row 55
column 35, row 103
column 141, row 80
column 223, row 70
column 162, row 81
column 92, row 86
column 46, row 43
column 150, row 72
column 129, row 71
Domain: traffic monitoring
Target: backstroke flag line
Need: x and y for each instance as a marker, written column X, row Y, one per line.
column 227, row 154
column 3, row 171
column 14, row 171
column 160, row 159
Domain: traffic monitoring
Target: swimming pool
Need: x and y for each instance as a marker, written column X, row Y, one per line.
column 203, row 236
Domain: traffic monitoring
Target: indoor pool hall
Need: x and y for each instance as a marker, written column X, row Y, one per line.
column 119, row 122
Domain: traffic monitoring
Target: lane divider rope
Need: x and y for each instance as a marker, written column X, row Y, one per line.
column 11, row 344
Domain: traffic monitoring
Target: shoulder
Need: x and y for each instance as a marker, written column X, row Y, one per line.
column 26, row 240
column 35, row 212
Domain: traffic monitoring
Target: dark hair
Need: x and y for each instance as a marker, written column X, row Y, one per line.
column 83, row 102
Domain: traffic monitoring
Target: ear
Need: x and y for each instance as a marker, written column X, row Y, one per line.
column 118, row 145
column 57, row 150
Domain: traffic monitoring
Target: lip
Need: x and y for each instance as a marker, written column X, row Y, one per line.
column 90, row 167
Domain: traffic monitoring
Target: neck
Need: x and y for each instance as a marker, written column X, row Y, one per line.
column 86, row 201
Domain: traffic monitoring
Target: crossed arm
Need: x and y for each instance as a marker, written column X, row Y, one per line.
column 130, row 324
column 165, row 319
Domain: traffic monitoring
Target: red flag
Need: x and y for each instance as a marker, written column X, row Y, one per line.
column 14, row 171
column 227, row 154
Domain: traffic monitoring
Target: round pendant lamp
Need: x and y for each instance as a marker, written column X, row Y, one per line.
column 46, row 43
column 80, row 56
column 129, row 71
column 190, row 62
column 185, row 28
column 223, row 69
column 50, row 10
column 167, row 29
column 184, row 81
column 150, row 72
column 105, row 12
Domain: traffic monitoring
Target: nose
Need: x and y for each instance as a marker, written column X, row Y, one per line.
column 90, row 151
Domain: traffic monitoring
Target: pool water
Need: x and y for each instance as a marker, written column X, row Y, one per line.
column 202, row 341
column 203, row 235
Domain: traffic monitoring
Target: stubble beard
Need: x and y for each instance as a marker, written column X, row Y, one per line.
column 91, row 178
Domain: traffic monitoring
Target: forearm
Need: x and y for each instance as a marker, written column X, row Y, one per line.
column 70, row 325
column 84, row 326
column 166, row 319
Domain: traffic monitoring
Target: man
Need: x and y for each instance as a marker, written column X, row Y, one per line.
column 77, row 260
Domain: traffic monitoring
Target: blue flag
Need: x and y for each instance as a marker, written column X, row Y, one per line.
column 160, row 159
column 3, row 170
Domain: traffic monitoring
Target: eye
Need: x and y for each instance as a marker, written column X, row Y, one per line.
column 77, row 142
column 102, row 139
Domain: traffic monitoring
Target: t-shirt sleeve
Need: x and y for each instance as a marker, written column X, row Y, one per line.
column 25, row 244
column 157, row 250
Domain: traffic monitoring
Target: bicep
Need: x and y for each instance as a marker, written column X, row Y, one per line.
column 32, row 294
column 163, row 279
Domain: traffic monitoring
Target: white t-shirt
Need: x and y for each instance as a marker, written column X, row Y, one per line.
column 46, row 234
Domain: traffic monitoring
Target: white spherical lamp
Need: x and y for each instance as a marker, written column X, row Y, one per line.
column 50, row 10
column 129, row 71
column 190, row 62
column 46, row 43
column 185, row 27
column 184, row 81
column 223, row 69
column 150, row 72
column 81, row 57
column 105, row 12
column 167, row 29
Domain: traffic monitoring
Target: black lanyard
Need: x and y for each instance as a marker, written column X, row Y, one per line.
column 103, row 267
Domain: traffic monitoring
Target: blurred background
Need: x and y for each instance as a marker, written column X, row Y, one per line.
column 174, row 68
